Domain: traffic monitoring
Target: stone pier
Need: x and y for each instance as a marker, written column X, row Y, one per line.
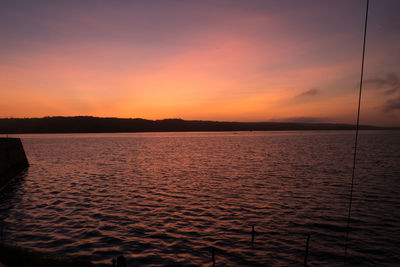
column 12, row 159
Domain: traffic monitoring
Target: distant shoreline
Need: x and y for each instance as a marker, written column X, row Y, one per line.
column 86, row 124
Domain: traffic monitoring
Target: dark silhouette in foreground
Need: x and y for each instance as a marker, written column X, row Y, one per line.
column 15, row 256
column 12, row 159
column 119, row 262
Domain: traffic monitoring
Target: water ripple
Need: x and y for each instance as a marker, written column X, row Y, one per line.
column 165, row 199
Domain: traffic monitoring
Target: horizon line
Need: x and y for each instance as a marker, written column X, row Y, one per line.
column 201, row 120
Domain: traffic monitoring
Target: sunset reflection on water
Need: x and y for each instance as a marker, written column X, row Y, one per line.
column 166, row 198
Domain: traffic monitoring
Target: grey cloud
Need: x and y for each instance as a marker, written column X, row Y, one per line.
column 307, row 93
column 389, row 84
column 392, row 105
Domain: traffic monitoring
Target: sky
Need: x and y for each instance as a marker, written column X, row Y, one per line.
column 200, row 60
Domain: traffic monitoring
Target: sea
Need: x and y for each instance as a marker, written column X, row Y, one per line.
column 170, row 199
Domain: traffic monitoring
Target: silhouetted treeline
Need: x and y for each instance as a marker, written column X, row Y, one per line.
column 105, row 125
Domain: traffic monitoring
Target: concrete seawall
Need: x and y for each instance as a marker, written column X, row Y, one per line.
column 12, row 159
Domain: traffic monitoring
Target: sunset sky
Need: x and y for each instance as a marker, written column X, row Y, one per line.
column 209, row 60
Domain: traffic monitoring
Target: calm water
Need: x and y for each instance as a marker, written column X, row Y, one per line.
column 166, row 198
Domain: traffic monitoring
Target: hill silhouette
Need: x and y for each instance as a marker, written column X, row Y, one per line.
column 88, row 124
